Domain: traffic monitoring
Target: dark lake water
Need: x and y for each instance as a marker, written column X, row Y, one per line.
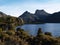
column 32, row 29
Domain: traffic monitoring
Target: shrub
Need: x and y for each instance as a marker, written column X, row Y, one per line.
column 48, row 33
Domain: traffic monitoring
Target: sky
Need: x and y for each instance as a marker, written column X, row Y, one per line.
column 18, row 7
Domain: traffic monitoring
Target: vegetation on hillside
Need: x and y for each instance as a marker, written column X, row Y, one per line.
column 9, row 22
column 20, row 37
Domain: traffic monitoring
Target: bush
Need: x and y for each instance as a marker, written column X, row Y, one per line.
column 48, row 33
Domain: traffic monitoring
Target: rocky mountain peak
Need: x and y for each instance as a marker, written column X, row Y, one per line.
column 40, row 12
column 26, row 12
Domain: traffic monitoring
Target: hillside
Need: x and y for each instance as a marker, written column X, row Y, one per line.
column 54, row 18
column 8, row 22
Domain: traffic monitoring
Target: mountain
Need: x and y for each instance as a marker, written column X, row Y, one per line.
column 42, row 15
column 28, row 17
column 38, row 17
column 41, row 12
column 54, row 18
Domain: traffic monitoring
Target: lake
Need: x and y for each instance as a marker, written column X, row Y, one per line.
column 32, row 29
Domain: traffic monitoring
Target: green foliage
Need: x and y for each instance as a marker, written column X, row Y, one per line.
column 20, row 37
column 22, row 34
column 48, row 33
column 0, row 30
column 10, row 22
column 10, row 32
column 39, row 33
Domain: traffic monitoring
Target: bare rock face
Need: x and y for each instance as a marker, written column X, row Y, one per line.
column 40, row 12
column 38, row 17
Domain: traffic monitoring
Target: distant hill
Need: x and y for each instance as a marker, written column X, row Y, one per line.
column 54, row 18
column 40, row 16
column 28, row 17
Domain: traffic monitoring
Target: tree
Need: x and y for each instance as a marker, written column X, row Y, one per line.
column 39, row 32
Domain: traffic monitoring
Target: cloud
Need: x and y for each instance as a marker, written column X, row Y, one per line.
column 16, row 9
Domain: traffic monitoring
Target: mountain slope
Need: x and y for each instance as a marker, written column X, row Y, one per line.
column 38, row 17
column 54, row 18
column 42, row 15
column 41, row 12
column 28, row 17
